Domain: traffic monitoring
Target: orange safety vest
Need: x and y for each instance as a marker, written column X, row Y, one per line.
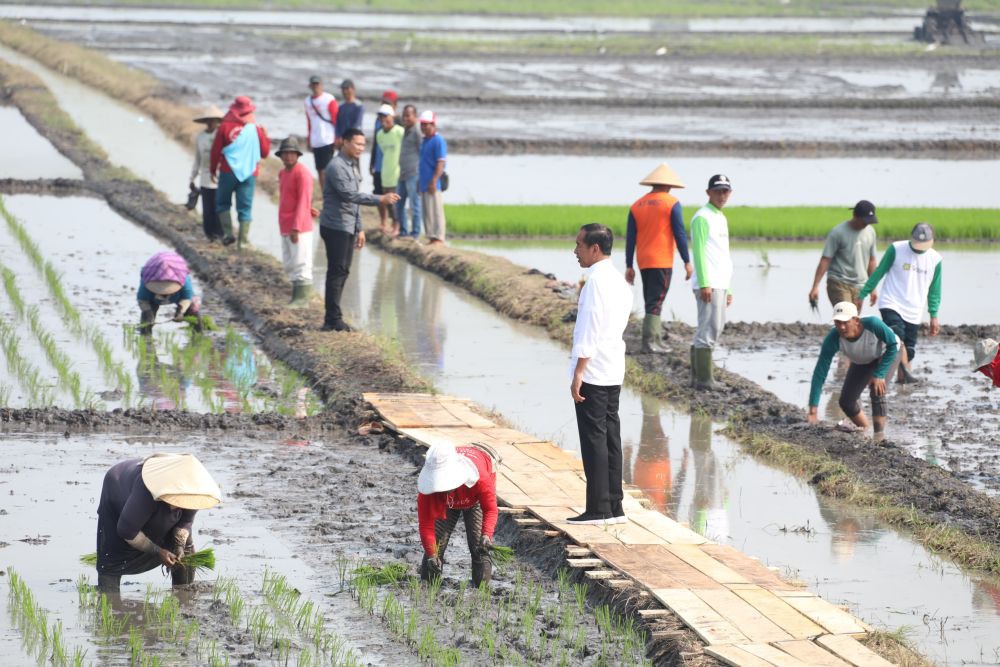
column 654, row 237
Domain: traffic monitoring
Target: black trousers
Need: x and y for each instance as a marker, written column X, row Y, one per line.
column 655, row 283
column 858, row 377
column 339, row 255
column 209, row 216
column 322, row 156
column 601, row 446
column 906, row 331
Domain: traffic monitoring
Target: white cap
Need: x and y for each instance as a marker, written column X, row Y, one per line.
column 386, row 110
column 446, row 470
column 844, row 311
column 428, row 117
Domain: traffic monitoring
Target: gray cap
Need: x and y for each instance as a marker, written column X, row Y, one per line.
column 922, row 236
column 315, row 79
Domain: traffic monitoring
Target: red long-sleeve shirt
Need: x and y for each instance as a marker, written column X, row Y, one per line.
column 227, row 133
column 434, row 506
column 295, row 191
column 992, row 370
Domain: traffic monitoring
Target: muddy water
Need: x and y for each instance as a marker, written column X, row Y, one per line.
column 27, row 154
column 51, row 486
column 529, row 179
column 775, row 293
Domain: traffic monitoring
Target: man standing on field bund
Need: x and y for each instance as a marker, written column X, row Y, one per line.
column 433, row 156
column 713, row 277
column 321, row 123
column 598, row 369
column 848, row 257
column 655, row 228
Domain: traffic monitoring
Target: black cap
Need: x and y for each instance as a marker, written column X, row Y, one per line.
column 314, row 79
column 720, row 182
column 346, row 83
column 864, row 211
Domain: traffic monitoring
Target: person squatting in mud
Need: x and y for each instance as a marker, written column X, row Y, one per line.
column 986, row 359
column 146, row 514
column 871, row 346
column 457, row 482
column 164, row 279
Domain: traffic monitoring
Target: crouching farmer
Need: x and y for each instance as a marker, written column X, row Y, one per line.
column 165, row 279
column 871, row 347
column 145, row 516
column 986, row 359
column 457, row 483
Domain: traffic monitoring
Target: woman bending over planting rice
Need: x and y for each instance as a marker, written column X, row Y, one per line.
column 457, row 482
column 145, row 516
column 165, row 279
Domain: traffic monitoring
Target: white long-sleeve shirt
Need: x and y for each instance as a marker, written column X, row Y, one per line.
column 202, row 160
column 601, row 317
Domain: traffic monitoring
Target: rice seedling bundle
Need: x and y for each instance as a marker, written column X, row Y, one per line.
column 387, row 574
column 501, row 555
column 199, row 560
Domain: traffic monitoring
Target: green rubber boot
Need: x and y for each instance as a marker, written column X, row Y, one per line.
column 693, row 365
column 226, row 221
column 658, row 334
column 244, row 240
column 650, row 335
column 300, row 295
column 704, row 370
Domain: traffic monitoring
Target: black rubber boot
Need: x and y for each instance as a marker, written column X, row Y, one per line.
column 181, row 576
column 482, row 571
column 109, row 583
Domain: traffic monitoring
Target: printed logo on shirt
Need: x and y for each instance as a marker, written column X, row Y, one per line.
column 906, row 266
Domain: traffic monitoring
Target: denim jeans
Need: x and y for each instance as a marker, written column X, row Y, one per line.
column 244, row 195
column 407, row 191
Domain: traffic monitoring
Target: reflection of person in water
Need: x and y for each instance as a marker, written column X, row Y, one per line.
column 652, row 471
column 150, row 370
column 710, row 516
column 146, row 514
column 848, row 529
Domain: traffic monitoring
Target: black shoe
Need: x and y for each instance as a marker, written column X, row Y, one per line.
column 337, row 326
column 591, row 518
column 229, row 240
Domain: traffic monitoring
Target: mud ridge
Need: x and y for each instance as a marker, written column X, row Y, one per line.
column 56, row 187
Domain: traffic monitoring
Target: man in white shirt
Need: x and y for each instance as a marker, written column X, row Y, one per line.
column 321, row 121
column 598, row 369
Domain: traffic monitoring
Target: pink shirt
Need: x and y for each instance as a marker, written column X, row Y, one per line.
column 295, row 191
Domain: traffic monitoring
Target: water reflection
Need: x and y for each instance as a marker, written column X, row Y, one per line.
column 651, row 470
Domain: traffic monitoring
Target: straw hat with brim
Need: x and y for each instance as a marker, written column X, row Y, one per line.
column 180, row 480
column 446, row 470
column 163, row 287
column 211, row 113
column 984, row 353
column 663, row 175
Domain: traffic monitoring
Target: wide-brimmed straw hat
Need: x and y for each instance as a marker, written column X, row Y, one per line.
column 289, row 145
column 663, row 175
column 984, row 352
column 446, row 470
column 180, row 480
column 211, row 112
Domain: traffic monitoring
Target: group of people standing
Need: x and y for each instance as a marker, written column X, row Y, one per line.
column 407, row 166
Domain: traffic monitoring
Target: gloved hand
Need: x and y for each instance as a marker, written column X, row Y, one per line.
column 432, row 568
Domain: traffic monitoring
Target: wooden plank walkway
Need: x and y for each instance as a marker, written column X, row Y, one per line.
column 745, row 613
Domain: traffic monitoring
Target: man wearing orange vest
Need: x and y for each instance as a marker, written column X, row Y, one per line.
column 655, row 229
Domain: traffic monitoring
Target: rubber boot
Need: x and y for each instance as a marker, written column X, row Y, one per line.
column 649, row 335
column 226, row 222
column 244, row 239
column 109, row 583
column 693, row 365
column 482, row 571
column 658, row 334
column 300, row 295
column 181, row 576
column 704, row 369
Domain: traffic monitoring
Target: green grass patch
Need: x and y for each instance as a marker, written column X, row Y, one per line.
column 787, row 222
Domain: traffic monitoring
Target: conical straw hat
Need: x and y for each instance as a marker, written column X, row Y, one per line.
column 663, row 175
column 180, row 480
column 211, row 112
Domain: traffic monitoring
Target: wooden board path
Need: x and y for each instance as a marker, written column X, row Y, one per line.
column 746, row 614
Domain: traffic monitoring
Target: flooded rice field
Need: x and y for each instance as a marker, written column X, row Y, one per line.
column 773, row 279
column 28, row 154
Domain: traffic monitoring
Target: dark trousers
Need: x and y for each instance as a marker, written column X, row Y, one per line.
column 339, row 255
column 209, row 216
column 322, row 156
column 482, row 563
column 907, row 332
column 858, row 377
column 655, row 283
column 601, row 446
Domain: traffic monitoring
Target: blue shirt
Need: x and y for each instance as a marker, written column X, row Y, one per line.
column 350, row 114
column 431, row 150
column 186, row 292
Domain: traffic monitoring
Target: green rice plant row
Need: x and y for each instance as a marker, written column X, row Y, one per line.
column 788, row 222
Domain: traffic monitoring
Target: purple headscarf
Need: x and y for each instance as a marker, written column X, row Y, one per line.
column 165, row 265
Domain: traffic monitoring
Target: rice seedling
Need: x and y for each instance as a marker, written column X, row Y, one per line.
column 5, row 394
column 46, row 642
column 502, row 556
column 201, row 560
column 390, row 573
column 580, row 592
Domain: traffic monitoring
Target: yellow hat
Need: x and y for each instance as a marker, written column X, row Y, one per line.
column 180, row 480
column 663, row 175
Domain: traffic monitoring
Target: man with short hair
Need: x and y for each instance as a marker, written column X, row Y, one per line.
column 433, row 156
column 340, row 221
column 389, row 98
column 351, row 112
column 655, row 229
column 389, row 142
column 295, row 214
column 912, row 272
column 598, row 370
column 871, row 347
column 713, row 276
column 321, row 123
column 848, row 257
column 409, row 173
